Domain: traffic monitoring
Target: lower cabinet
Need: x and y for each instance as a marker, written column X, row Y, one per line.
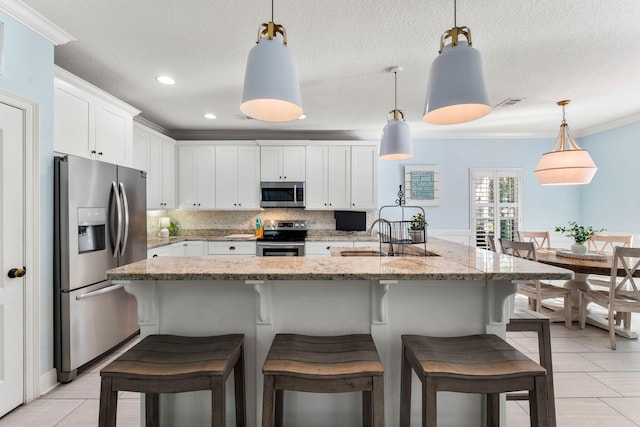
column 324, row 248
column 232, row 248
column 189, row 248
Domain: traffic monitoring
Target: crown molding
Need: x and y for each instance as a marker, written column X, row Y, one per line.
column 35, row 22
column 609, row 125
column 258, row 134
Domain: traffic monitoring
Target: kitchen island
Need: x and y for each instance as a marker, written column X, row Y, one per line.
column 462, row 290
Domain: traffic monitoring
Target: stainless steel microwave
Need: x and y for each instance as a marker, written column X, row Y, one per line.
column 282, row 194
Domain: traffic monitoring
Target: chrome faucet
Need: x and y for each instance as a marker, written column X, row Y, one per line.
column 377, row 221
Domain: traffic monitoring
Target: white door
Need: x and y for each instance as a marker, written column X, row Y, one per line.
column 12, row 252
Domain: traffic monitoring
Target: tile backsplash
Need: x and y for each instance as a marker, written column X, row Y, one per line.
column 197, row 222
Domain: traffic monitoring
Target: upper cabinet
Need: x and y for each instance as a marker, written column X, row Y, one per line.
column 237, row 170
column 196, row 177
column 155, row 153
column 328, row 179
column 89, row 122
column 364, row 177
column 282, row 163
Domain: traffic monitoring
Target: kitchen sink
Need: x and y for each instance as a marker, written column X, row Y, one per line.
column 371, row 252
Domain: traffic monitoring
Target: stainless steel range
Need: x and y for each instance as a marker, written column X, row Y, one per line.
column 282, row 238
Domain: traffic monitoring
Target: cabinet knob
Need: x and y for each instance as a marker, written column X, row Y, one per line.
column 232, row 248
column 194, row 204
column 155, row 256
column 198, row 204
column 328, row 247
column 100, row 153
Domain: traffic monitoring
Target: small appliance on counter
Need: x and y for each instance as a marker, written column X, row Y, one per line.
column 350, row 220
column 282, row 238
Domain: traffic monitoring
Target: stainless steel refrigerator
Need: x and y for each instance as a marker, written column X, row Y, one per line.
column 99, row 224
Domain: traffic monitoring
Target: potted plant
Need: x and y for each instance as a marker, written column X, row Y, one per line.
column 416, row 228
column 580, row 234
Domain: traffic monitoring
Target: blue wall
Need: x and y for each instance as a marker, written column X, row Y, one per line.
column 544, row 207
column 612, row 200
column 28, row 73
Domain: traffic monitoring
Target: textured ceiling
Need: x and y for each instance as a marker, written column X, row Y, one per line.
column 540, row 51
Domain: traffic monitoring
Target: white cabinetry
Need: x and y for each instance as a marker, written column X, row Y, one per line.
column 89, row 122
column 364, row 177
column 196, row 177
column 189, row 248
column 232, row 248
column 282, row 163
column 328, row 177
column 159, row 157
column 324, row 248
column 237, row 177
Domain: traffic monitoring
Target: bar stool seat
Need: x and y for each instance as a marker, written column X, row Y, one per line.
column 175, row 364
column 323, row 364
column 470, row 364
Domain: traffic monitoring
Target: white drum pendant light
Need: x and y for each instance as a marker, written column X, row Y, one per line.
column 456, row 92
column 566, row 163
column 396, row 138
column 271, row 88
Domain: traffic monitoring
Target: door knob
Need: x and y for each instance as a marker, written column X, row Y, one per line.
column 17, row 272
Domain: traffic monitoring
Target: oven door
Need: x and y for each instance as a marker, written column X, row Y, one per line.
column 279, row 248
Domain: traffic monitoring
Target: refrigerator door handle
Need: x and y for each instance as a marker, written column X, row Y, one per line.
column 99, row 292
column 118, row 239
column 125, row 204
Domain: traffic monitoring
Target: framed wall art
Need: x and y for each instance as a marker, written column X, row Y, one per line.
column 422, row 185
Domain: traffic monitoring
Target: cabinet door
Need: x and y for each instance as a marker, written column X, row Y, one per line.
column 364, row 177
column 271, row 163
column 71, row 125
column 226, row 170
column 168, row 174
column 194, row 248
column 140, row 149
column 339, row 177
column 154, row 173
column 206, row 177
column 187, row 178
column 293, row 163
column 248, row 173
column 316, row 178
column 113, row 134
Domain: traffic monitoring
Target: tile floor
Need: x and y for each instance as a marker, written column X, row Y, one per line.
column 594, row 386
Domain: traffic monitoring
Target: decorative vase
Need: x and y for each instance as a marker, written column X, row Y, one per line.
column 579, row 248
column 417, row 236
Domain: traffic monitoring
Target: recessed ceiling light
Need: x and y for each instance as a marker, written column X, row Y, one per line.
column 210, row 116
column 166, row 80
column 302, row 117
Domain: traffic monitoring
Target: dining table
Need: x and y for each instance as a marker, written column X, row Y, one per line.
column 583, row 268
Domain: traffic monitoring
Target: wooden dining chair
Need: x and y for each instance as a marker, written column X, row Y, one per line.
column 539, row 238
column 622, row 296
column 536, row 290
column 607, row 243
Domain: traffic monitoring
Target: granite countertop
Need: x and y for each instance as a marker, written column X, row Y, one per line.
column 244, row 235
column 453, row 262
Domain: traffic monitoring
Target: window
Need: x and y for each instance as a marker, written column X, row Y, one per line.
column 496, row 201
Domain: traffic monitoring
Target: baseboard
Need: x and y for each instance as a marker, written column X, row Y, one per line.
column 48, row 381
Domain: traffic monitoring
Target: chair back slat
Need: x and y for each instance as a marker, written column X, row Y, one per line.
column 629, row 260
column 607, row 243
column 539, row 238
column 526, row 250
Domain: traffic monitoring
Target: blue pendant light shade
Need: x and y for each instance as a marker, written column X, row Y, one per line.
column 271, row 87
column 396, row 137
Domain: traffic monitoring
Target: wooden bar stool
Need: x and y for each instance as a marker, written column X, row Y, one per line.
column 175, row 364
column 533, row 321
column 469, row 364
column 323, row 364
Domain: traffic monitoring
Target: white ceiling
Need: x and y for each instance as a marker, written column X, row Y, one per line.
column 539, row 50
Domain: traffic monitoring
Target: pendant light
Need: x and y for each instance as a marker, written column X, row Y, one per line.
column 396, row 138
column 456, row 92
column 271, row 88
column 566, row 163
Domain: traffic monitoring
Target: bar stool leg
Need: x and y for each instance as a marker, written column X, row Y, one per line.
column 151, row 410
column 108, row 404
column 377, row 400
column 279, row 408
column 538, row 403
column 218, row 402
column 238, row 385
column 429, row 403
column 367, row 410
column 405, row 390
column 493, row 410
column 268, row 395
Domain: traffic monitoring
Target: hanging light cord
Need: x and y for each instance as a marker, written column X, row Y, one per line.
column 272, row 11
column 455, row 20
column 395, row 90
